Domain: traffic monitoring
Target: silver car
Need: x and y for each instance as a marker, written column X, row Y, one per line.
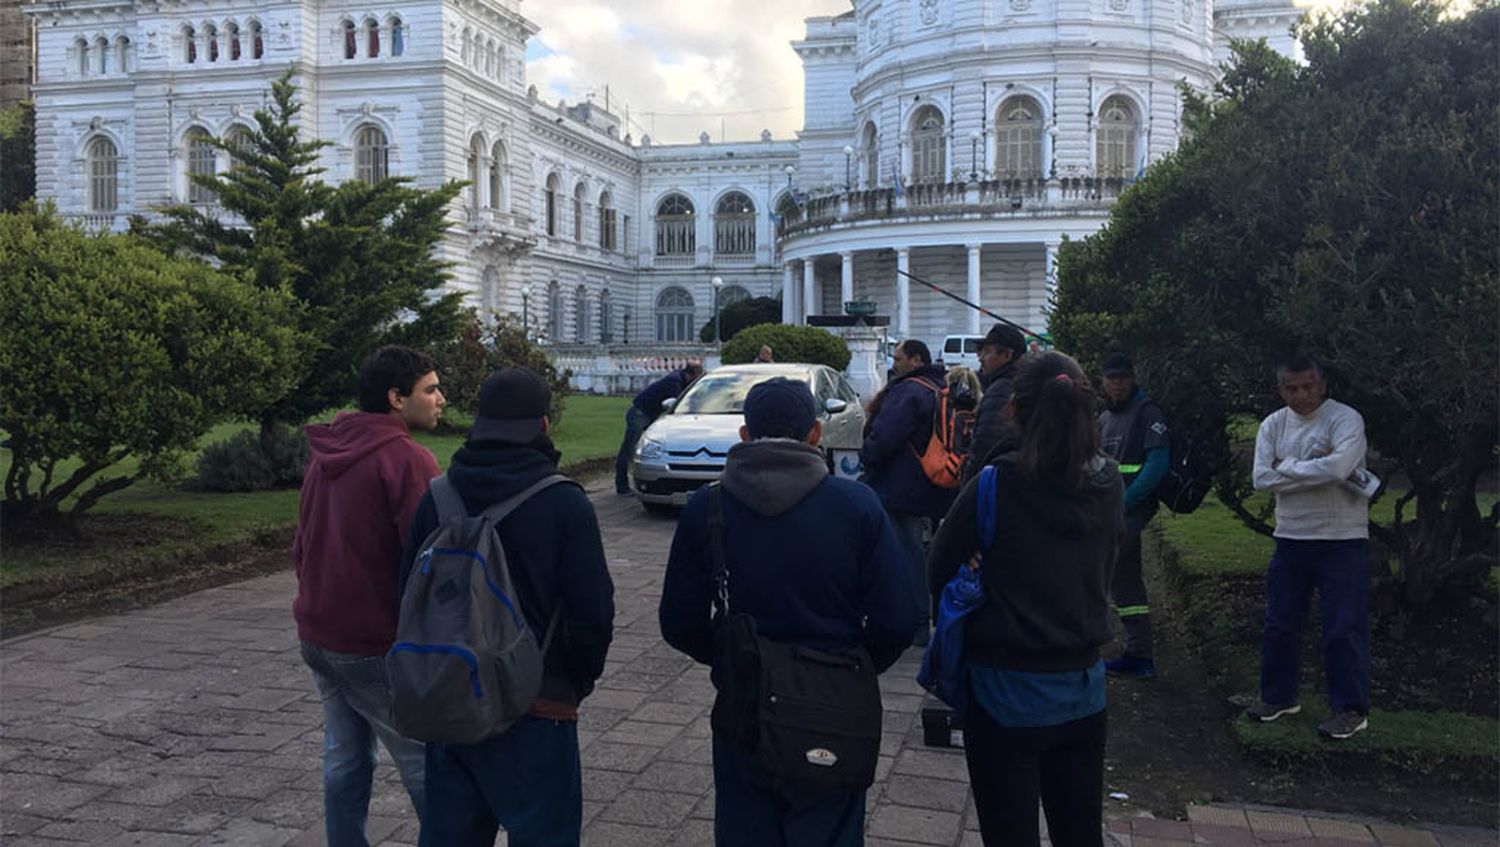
column 685, row 448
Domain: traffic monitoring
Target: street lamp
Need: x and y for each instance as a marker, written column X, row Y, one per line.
column 525, row 311
column 974, row 156
column 848, row 152
column 718, row 284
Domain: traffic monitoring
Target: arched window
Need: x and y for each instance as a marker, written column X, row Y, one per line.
column 122, row 54
column 211, row 42
column 476, row 161
column 607, row 240
column 81, row 47
column 1118, row 127
column 1019, row 139
column 674, row 227
column 554, row 312
column 732, row 294
column 928, row 148
column 579, row 193
column 606, row 316
column 499, row 177
column 581, row 315
column 102, row 48
column 104, row 176
column 257, row 47
column 734, row 225
column 351, row 41
column 674, row 315
column 372, row 155
column 869, row 144
column 189, row 45
column 499, row 73
column 398, row 37
column 232, row 37
column 239, row 139
column 372, row 38
column 466, row 46
column 202, row 161
column 489, row 59
column 549, row 198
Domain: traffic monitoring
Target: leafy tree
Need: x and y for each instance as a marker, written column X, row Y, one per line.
column 790, row 344
column 483, row 348
column 112, row 351
column 1346, row 208
column 17, row 155
column 740, row 314
column 358, row 258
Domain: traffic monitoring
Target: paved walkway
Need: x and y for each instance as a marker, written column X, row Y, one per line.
column 194, row 722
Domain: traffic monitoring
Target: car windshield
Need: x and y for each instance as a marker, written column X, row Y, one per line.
column 720, row 393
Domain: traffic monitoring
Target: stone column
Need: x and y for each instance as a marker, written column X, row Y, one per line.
column 788, row 293
column 1050, row 269
column 846, row 279
column 809, row 287
column 903, row 293
column 973, row 291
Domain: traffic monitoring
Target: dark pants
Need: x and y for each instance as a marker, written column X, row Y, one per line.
column 749, row 812
column 636, row 422
column 1128, row 590
column 528, row 780
column 911, row 531
column 1010, row 768
column 1340, row 571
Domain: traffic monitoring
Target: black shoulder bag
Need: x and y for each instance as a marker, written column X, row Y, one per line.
column 812, row 717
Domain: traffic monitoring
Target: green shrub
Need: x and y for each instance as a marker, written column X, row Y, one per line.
column 482, row 349
column 741, row 314
column 790, row 343
column 252, row 461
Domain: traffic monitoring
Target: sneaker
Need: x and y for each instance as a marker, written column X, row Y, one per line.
column 1342, row 725
column 1136, row 667
column 1267, row 712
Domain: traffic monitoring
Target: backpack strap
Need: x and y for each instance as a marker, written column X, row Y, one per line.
column 716, row 545
column 497, row 513
column 449, row 503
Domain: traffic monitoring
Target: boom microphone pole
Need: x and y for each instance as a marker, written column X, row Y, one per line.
column 982, row 310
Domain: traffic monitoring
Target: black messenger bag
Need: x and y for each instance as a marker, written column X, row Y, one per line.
column 812, row 717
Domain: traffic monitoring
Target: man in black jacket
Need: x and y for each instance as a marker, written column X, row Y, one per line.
column 814, row 560
column 1002, row 348
column 643, row 410
column 528, row 779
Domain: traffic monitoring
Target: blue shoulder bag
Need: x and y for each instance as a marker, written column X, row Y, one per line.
column 943, row 670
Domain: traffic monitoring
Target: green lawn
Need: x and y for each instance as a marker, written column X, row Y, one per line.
column 591, row 428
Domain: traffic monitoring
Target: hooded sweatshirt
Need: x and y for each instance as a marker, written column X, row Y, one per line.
column 811, row 557
column 364, row 478
column 1046, row 576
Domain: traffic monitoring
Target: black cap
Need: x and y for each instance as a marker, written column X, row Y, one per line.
column 512, row 403
column 1117, row 364
column 1006, row 337
column 780, row 408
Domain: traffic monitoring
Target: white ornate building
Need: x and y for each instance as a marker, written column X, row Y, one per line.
column 959, row 140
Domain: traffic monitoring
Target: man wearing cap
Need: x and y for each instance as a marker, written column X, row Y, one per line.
column 813, row 558
column 643, row 410
column 527, row 779
column 1002, row 348
column 1133, row 432
column 364, row 478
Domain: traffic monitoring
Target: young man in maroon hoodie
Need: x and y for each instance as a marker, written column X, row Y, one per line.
column 364, row 479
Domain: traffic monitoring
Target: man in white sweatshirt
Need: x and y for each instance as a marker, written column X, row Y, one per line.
column 1305, row 454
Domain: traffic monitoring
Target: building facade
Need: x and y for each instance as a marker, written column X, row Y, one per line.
column 955, row 140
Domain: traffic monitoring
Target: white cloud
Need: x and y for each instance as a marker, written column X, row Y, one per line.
column 683, row 66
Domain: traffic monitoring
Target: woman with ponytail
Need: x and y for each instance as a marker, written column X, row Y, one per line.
column 1034, row 726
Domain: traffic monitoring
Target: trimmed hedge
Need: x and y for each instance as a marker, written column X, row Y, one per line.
column 789, row 343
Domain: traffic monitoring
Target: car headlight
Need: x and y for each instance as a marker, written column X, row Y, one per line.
column 649, row 448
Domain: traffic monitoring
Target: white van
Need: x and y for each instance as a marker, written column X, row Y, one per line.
column 960, row 350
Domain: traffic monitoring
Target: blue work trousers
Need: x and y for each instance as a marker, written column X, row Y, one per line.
column 1340, row 572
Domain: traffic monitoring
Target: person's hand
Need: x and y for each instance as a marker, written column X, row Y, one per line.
column 974, row 559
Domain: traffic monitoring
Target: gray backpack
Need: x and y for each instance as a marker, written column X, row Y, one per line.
column 465, row 666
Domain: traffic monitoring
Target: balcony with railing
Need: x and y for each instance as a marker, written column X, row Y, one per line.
column 1000, row 197
column 506, row 230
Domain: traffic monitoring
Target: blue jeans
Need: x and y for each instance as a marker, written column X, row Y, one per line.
column 750, row 812
column 528, row 780
column 636, row 422
column 356, row 711
column 1340, row 571
column 911, row 531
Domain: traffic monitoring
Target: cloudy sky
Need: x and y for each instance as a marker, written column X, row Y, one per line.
column 698, row 65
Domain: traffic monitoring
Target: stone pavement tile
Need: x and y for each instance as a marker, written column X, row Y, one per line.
column 686, row 748
column 600, row 720
column 602, row 786
column 1217, row 815
column 248, row 833
column 705, row 808
column 44, row 796
column 296, row 809
column 677, row 777
column 612, row 834
column 612, row 698
column 199, row 814
column 91, row 832
column 150, row 839
column 926, row 792
column 629, row 680
column 639, row 732
column 1148, row 841
column 679, row 714
column 1225, row 836
column 1272, row 826
column 15, row 825
column 693, row 833
column 1347, row 830
column 161, row 791
column 933, row 763
column 907, row 823
column 1161, row 828
column 1400, row 836
column 649, row 808
column 609, row 756
column 268, row 699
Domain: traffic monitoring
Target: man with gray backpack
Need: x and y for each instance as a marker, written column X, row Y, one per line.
column 507, row 612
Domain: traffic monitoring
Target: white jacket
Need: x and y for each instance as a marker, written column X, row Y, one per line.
column 1303, row 461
